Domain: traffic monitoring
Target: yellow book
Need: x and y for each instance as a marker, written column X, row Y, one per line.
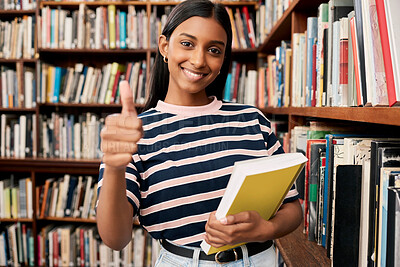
column 114, row 69
column 258, row 184
column 111, row 26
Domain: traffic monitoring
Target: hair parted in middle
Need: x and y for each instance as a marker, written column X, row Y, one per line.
column 159, row 78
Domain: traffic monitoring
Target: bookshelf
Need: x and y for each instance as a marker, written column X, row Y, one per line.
column 295, row 249
column 39, row 167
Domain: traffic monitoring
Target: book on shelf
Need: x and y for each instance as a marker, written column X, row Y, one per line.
column 244, row 192
column 347, row 215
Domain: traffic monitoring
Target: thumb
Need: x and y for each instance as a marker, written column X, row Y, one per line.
column 126, row 98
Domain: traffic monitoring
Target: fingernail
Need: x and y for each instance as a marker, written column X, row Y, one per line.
column 223, row 220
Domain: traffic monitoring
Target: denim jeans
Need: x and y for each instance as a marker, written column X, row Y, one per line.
column 266, row 258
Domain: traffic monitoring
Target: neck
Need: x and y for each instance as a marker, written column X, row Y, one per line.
column 198, row 99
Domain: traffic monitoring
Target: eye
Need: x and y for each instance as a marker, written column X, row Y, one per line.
column 186, row 43
column 215, row 50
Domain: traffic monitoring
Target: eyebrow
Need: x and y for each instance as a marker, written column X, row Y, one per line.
column 194, row 37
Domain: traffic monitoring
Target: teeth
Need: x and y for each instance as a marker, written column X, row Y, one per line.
column 192, row 74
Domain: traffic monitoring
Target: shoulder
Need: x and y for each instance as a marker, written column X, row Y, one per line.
column 242, row 109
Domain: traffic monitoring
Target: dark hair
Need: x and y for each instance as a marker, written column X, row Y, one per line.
column 159, row 78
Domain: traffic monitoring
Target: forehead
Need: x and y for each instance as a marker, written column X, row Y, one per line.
column 207, row 28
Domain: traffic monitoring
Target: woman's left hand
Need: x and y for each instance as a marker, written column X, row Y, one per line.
column 247, row 226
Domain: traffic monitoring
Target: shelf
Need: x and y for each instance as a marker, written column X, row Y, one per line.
column 91, row 3
column 379, row 115
column 67, row 219
column 297, row 251
column 93, row 51
column 17, row 110
column 14, row 13
column 73, row 166
column 15, row 60
column 23, row 220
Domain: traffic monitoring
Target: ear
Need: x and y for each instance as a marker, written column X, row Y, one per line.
column 163, row 45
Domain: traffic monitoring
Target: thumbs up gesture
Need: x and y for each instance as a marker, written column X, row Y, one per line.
column 121, row 132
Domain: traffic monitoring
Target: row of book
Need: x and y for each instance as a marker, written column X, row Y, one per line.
column 88, row 84
column 346, row 187
column 17, row 38
column 18, row 4
column 17, row 245
column 243, row 28
column 81, row 246
column 14, row 92
column 347, row 56
column 70, row 136
column 241, row 84
column 270, row 11
column 102, row 28
column 16, row 198
column 67, row 196
column 18, row 135
column 70, row 245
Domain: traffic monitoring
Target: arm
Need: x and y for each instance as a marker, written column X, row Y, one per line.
column 114, row 213
column 249, row 226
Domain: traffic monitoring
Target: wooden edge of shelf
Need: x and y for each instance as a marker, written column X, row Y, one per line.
column 67, row 219
column 50, row 163
column 378, row 115
column 8, row 220
column 95, row 51
column 297, row 251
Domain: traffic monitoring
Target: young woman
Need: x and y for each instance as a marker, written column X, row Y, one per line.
column 171, row 164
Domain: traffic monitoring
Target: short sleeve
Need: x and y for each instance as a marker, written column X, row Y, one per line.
column 274, row 147
column 132, row 178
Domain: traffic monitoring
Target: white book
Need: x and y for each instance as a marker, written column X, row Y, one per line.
column 20, row 39
column 30, row 46
column 8, row 141
column 77, row 140
column 28, row 83
column 97, row 32
column 368, row 53
column 3, row 119
column 333, row 93
column 138, row 247
column 4, row 93
column 22, row 141
column 88, row 80
column 81, row 26
column 68, row 33
column 16, row 140
column 43, row 32
column 29, row 197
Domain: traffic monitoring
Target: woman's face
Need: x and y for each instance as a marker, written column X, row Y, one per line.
column 195, row 53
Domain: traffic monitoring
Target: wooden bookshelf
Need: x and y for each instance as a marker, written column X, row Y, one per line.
column 297, row 251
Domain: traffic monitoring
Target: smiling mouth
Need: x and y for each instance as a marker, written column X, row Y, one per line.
column 193, row 75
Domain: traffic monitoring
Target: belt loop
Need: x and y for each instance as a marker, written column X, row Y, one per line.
column 196, row 256
column 245, row 252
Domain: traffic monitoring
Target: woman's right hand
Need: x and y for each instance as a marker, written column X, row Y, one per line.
column 121, row 132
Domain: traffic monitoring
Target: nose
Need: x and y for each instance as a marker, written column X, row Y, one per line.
column 197, row 58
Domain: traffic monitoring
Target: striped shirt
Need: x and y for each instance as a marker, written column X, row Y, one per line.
column 184, row 160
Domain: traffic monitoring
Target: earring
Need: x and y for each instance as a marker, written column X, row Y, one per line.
column 165, row 59
column 219, row 72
